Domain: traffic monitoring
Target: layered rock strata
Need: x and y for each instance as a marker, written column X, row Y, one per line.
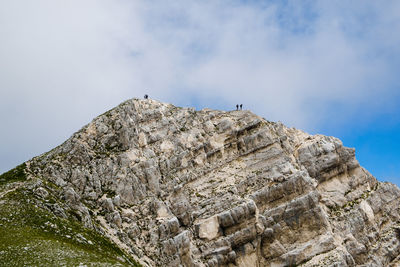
column 178, row 187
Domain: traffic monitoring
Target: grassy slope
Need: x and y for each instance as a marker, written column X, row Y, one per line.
column 14, row 175
column 32, row 236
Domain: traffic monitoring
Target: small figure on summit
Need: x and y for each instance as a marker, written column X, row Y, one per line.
column 146, row 96
column 241, row 106
column 237, row 106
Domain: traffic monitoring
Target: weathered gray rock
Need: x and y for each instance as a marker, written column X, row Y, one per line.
column 179, row 187
column 41, row 192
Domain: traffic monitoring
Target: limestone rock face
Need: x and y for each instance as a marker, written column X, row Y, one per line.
column 178, row 187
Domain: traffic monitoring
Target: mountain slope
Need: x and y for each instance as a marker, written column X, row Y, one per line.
column 173, row 186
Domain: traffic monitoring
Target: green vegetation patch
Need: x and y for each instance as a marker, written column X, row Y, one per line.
column 33, row 236
column 110, row 193
column 14, row 175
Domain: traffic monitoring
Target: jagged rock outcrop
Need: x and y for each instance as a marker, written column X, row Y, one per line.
column 178, row 187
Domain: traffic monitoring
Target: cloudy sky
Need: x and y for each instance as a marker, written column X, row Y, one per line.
column 329, row 67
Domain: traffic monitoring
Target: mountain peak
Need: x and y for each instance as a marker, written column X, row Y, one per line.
column 174, row 186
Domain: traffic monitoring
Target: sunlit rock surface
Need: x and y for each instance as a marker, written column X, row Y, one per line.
column 178, row 187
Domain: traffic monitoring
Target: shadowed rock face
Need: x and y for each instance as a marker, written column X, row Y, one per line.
column 174, row 186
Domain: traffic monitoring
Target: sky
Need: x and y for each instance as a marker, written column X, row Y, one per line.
column 326, row 67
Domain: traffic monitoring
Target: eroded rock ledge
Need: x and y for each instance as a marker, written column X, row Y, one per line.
column 178, row 187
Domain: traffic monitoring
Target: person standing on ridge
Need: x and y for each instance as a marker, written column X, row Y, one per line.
column 146, row 96
column 241, row 106
column 237, row 106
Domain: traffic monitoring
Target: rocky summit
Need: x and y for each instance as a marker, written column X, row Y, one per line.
column 151, row 184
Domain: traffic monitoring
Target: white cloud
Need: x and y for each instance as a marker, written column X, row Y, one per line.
column 64, row 62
